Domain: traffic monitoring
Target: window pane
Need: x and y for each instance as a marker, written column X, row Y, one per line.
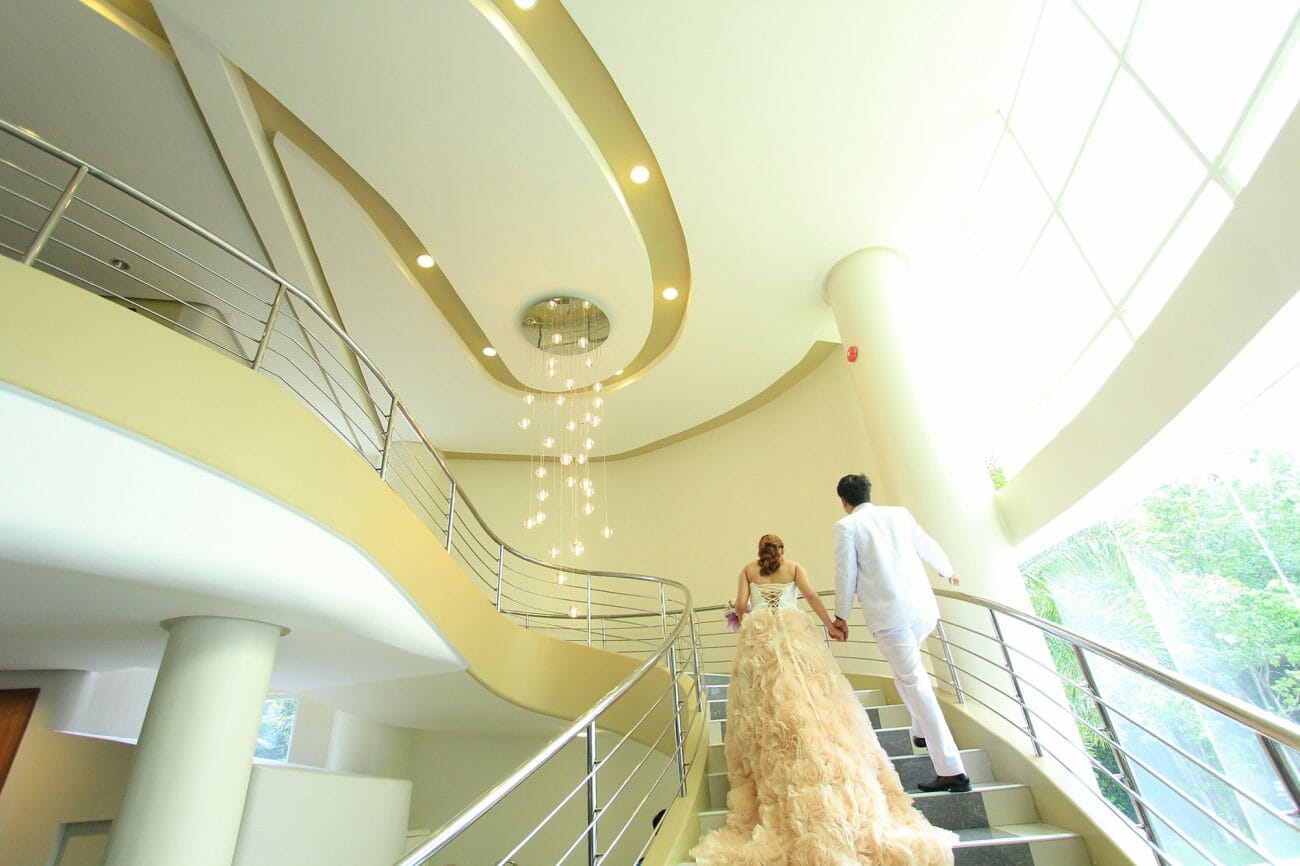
column 1203, row 59
column 1065, row 80
column 1114, row 17
column 1270, row 111
column 1134, row 178
column 1176, row 258
column 1057, row 306
column 276, row 732
column 1092, row 370
column 1008, row 214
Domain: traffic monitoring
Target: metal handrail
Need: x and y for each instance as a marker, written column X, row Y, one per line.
column 460, row 511
column 1272, row 732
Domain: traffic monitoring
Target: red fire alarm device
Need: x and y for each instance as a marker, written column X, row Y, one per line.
column 852, row 354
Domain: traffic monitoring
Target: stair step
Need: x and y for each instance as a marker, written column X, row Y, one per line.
column 895, row 741
column 718, row 700
column 1015, row 845
column 912, row 769
column 988, row 805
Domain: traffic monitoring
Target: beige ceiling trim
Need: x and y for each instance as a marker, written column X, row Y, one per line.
column 138, row 18
column 550, row 43
column 811, row 361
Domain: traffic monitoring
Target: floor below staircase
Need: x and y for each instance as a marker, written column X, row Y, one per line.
column 996, row 823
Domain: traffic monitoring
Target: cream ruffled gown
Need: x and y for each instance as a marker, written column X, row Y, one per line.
column 810, row 784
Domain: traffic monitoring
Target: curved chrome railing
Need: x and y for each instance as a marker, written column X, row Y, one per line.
column 97, row 232
column 1022, row 678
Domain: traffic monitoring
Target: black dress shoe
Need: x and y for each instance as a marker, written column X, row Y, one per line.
column 919, row 742
column 958, row 784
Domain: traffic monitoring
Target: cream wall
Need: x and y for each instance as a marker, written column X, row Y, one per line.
column 300, row 816
column 56, row 778
column 359, row 745
column 693, row 511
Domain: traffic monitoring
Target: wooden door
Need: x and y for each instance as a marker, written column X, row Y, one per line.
column 16, row 707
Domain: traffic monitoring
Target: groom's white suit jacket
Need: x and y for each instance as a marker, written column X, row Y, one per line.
column 878, row 552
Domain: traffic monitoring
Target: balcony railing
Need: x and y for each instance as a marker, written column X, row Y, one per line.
column 64, row 216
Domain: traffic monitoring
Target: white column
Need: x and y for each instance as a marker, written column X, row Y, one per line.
column 185, row 796
column 927, row 465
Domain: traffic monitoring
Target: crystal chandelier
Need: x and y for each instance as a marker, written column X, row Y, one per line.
column 567, row 502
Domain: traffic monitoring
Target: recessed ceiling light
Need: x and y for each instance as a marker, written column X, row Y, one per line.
column 489, row 351
column 120, row 265
column 640, row 174
column 618, row 372
column 424, row 260
column 670, row 294
column 525, row 4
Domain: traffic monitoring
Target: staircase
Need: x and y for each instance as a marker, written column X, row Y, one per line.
column 996, row 823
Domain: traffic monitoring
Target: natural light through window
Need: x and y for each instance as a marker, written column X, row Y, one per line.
column 1132, row 130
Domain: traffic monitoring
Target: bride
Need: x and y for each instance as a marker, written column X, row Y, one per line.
column 810, row 784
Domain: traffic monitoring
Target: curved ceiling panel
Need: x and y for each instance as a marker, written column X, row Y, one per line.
column 437, row 112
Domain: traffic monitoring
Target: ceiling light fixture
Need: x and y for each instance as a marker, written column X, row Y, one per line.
column 489, row 351
column 670, row 294
column 567, row 334
column 640, row 174
column 120, row 265
column 424, row 260
column 525, row 4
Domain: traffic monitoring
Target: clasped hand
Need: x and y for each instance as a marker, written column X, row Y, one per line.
column 838, row 631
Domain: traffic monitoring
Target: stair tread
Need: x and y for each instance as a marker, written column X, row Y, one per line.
column 991, row 836
column 976, row 788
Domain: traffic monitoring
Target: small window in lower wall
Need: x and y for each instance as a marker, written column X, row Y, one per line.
column 276, row 733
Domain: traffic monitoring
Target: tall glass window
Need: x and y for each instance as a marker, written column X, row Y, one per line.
column 1133, row 128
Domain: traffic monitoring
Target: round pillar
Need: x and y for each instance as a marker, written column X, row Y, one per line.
column 185, row 797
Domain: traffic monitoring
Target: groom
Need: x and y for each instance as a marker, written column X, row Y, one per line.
column 878, row 552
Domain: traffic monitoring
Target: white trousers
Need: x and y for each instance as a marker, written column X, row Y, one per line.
column 901, row 647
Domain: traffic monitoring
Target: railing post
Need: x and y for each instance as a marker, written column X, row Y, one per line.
column 1121, row 758
column 677, row 717
column 603, row 644
column 451, row 514
column 952, row 668
column 588, row 608
column 270, row 326
column 592, row 809
column 388, row 438
column 1283, row 769
column 695, row 662
column 1015, row 683
column 56, row 213
column 663, row 610
column 501, row 562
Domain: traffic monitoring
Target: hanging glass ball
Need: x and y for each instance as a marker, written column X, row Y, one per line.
column 588, row 362
column 566, row 458
column 561, row 577
column 573, row 611
column 595, row 420
column 529, row 523
column 582, row 458
column 588, row 508
column 598, row 402
column 529, row 399
column 589, row 443
column 577, row 547
column 543, row 495
column 540, row 517
column 589, row 491
column 607, row 532
column 540, row 471
column 582, row 341
column 571, row 426
column 587, row 417
column 568, row 383
column 557, row 338
column 559, row 401
column 570, row 481
column 550, row 372
column 548, row 442
column 525, row 423
column 597, row 387
column 553, row 551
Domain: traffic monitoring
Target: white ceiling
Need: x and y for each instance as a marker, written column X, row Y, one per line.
column 789, row 135
column 92, row 560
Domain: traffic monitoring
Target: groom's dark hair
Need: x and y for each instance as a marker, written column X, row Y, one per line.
column 854, row 489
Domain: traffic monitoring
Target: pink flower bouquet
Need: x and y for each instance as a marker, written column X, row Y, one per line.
column 733, row 621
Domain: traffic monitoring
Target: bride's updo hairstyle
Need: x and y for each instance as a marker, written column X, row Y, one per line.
column 770, row 549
